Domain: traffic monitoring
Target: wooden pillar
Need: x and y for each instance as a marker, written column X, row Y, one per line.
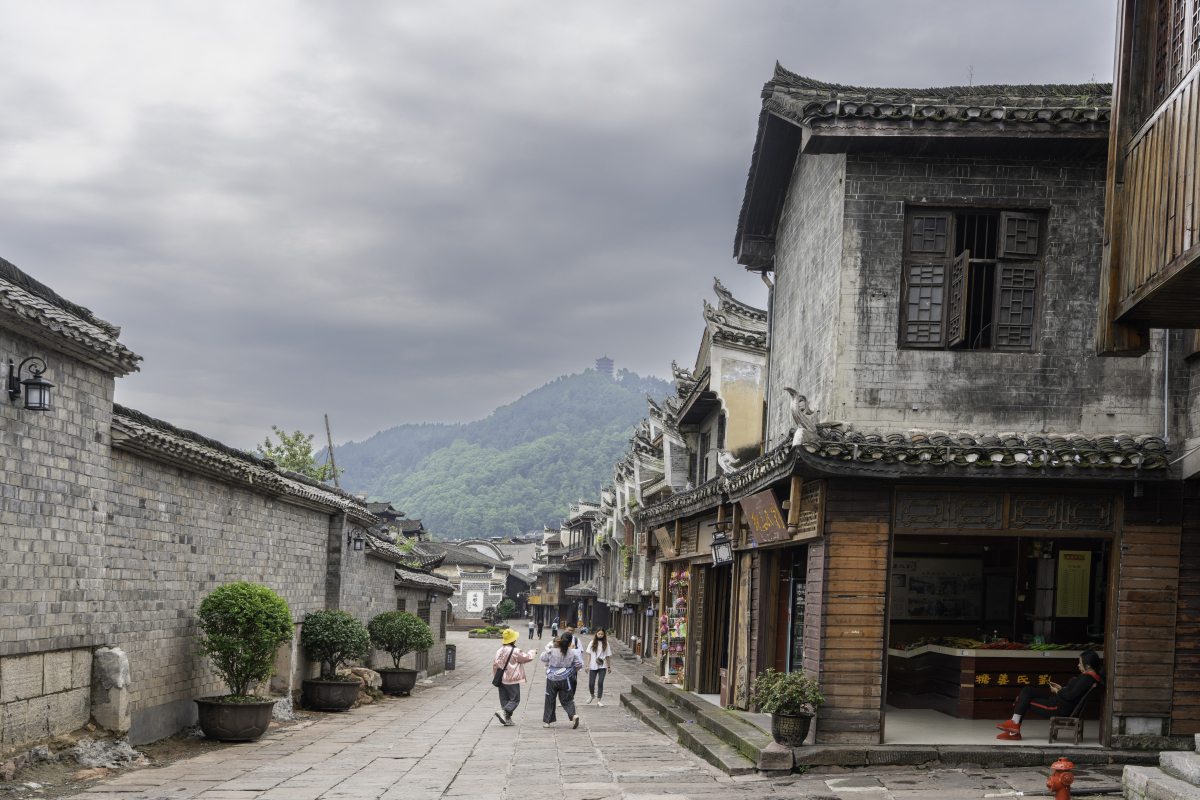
column 741, row 627
column 678, row 537
column 793, row 504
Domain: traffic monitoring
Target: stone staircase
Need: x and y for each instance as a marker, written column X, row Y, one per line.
column 718, row 736
column 1176, row 777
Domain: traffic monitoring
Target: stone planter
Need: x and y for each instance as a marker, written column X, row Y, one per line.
column 234, row 722
column 496, row 635
column 397, row 681
column 330, row 695
column 790, row 730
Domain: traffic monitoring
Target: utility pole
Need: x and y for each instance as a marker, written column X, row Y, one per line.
column 329, row 438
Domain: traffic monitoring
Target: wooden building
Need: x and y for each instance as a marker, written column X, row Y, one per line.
column 946, row 460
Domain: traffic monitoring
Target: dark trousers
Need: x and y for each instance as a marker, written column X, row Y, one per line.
column 539, row 632
column 596, row 682
column 1039, row 701
column 559, row 692
column 530, row 631
column 510, row 697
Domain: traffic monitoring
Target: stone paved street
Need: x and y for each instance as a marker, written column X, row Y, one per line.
column 445, row 742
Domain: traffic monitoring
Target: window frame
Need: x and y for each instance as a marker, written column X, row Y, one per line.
column 948, row 258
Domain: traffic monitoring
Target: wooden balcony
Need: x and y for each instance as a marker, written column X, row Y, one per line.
column 1151, row 250
column 1159, row 281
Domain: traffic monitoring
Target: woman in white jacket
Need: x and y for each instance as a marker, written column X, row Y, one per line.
column 599, row 654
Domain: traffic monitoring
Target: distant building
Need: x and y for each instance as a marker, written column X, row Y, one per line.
column 604, row 366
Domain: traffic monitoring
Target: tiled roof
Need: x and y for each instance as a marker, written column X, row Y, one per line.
column 912, row 453
column 984, row 451
column 382, row 548
column 462, row 556
column 803, row 100
column 415, row 576
column 586, row 589
column 32, row 308
column 139, row 433
column 410, row 525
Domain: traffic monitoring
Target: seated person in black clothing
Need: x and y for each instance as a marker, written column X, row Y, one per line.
column 1060, row 701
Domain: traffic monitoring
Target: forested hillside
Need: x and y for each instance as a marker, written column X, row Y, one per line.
column 514, row 471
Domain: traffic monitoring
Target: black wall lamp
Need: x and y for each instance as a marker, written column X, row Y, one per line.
column 354, row 537
column 37, row 389
column 722, row 547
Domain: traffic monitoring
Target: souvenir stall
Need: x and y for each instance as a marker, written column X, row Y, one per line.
column 672, row 627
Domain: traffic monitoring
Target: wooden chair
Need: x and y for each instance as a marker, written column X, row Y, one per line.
column 1074, row 722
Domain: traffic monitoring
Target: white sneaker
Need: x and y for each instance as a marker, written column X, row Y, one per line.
column 600, row 704
column 590, row 701
column 575, row 721
column 545, row 724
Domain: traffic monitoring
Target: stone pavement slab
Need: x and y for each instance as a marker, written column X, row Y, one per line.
column 445, row 742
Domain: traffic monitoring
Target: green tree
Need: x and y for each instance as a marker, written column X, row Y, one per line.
column 399, row 633
column 295, row 452
column 242, row 627
column 507, row 609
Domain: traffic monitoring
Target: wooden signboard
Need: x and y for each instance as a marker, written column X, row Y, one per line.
column 666, row 542
column 766, row 521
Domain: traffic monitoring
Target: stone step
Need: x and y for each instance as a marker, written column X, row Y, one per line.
column 686, row 729
column 1181, row 764
column 1152, row 783
column 749, row 739
column 649, row 716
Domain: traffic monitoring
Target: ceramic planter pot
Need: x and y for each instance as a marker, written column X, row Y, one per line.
column 234, row 722
column 330, row 695
column 397, row 681
column 790, row 730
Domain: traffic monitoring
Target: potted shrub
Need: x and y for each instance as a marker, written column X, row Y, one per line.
column 399, row 633
column 332, row 638
column 242, row 627
column 791, row 698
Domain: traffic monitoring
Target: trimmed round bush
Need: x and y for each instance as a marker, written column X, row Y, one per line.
column 399, row 633
column 331, row 638
column 242, row 627
column 507, row 609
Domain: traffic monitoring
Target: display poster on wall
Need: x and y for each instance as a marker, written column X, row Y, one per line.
column 1074, row 577
column 936, row 588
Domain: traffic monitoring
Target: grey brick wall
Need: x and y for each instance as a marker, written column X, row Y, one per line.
column 807, row 288
column 54, row 488
column 174, row 537
column 874, row 384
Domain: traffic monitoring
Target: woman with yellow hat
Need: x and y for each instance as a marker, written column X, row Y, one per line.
column 509, row 667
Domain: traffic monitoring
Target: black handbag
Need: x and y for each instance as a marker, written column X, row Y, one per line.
column 498, row 678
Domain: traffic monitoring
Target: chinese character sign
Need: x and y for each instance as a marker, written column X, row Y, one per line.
column 763, row 515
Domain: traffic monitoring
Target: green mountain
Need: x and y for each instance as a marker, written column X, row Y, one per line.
column 514, row 471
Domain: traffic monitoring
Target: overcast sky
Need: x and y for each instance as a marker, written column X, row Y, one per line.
column 402, row 212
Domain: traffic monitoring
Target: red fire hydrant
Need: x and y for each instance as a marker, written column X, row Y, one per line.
column 1060, row 779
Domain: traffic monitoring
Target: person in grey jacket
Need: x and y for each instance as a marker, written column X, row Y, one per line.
column 563, row 666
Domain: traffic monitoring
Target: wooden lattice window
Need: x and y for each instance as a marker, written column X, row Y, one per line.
column 692, row 474
column 423, row 611
column 705, row 440
column 1176, row 40
column 401, row 603
column 720, row 431
column 1020, row 235
column 929, row 233
column 1016, row 306
column 984, row 293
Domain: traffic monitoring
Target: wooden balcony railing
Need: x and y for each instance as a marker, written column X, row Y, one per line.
column 1151, row 247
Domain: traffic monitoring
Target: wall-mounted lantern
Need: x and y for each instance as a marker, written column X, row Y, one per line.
column 36, row 388
column 722, row 547
column 354, row 537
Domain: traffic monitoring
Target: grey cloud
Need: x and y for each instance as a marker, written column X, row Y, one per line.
column 417, row 212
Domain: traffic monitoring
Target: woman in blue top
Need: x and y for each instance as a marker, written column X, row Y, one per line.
column 562, row 665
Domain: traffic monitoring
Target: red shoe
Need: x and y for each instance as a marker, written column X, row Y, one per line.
column 1010, row 726
column 1010, row 737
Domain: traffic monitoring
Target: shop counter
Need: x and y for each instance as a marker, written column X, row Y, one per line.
column 976, row 684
